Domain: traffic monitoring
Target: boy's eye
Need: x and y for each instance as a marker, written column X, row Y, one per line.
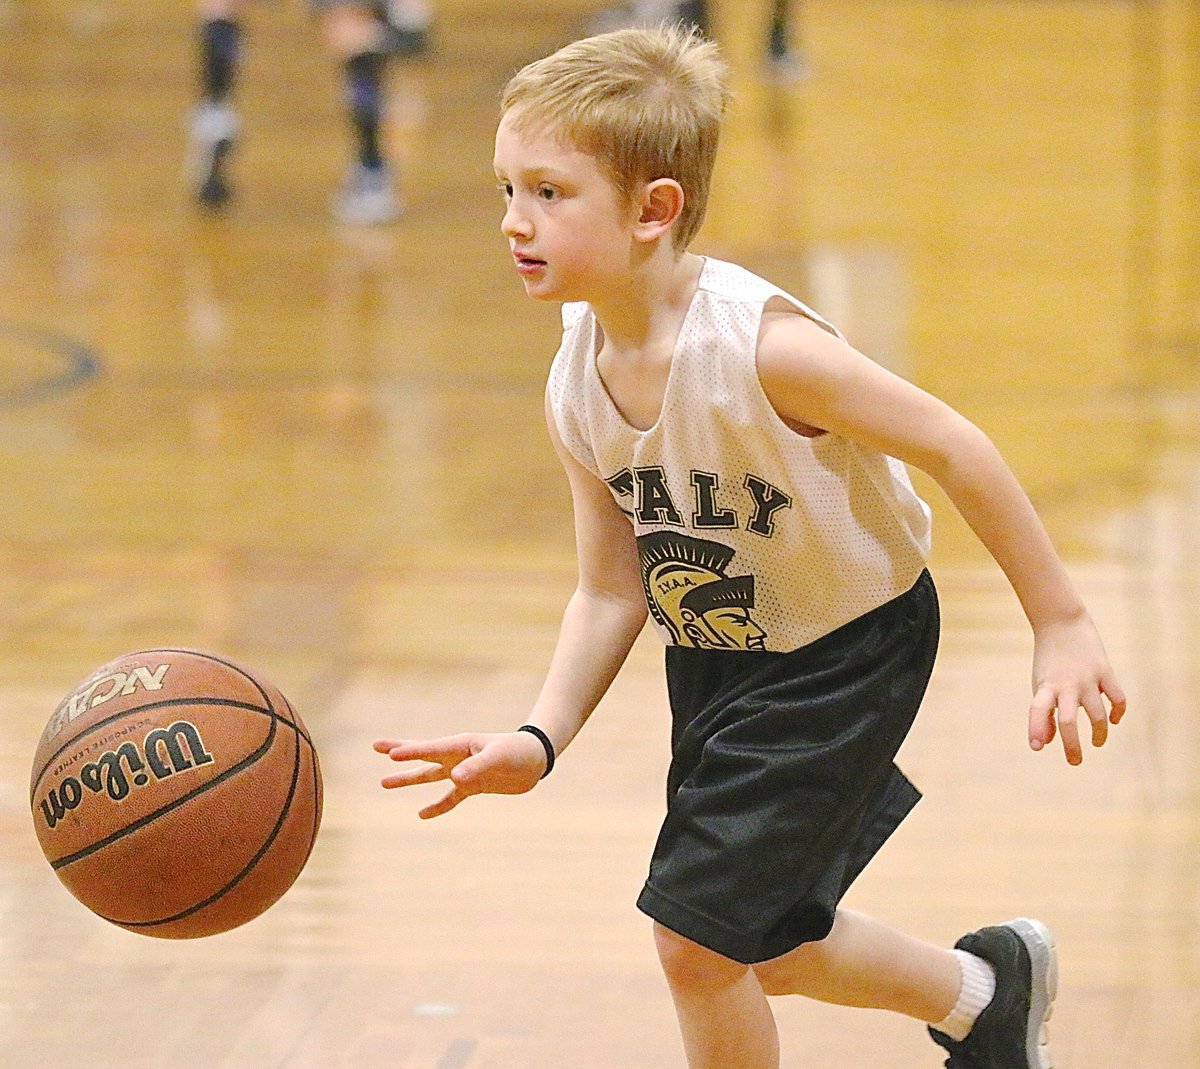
column 506, row 189
column 546, row 192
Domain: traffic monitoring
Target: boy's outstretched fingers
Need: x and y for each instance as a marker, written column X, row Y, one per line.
column 431, row 762
column 448, row 751
column 437, row 758
column 443, row 805
column 410, row 777
column 474, row 763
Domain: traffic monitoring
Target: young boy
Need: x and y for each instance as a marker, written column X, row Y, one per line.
column 730, row 459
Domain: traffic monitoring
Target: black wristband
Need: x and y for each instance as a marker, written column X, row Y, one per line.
column 547, row 745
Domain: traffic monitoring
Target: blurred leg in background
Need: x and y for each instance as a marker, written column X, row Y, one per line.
column 362, row 36
column 783, row 57
column 215, row 124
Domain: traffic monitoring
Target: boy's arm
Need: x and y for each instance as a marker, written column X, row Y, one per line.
column 600, row 624
column 605, row 614
column 812, row 377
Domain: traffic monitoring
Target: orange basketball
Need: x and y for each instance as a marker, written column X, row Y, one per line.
column 176, row 793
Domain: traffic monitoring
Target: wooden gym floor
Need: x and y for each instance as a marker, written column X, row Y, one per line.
column 319, row 450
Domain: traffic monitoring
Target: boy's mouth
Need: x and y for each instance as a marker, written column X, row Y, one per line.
column 527, row 263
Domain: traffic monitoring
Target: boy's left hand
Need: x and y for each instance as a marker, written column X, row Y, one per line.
column 1071, row 670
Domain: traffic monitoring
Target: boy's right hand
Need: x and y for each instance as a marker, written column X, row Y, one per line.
column 508, row 763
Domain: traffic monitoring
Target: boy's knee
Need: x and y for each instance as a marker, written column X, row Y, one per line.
column 793, row 972
column 776, row 979
column 688, row 964
column 351, row 28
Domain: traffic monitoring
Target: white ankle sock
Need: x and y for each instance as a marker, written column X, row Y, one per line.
column 978, row 987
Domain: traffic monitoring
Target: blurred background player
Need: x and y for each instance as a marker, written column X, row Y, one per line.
column 784, row 59
column 362, row 35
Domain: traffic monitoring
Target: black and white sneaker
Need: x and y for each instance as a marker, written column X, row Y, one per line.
column 785, row 62
column 1011, row 1031
column 213, row 132
column 645, row 14
column 367, row 197
column 407, row 28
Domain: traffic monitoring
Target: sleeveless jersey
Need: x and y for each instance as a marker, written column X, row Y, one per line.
column 750, row 535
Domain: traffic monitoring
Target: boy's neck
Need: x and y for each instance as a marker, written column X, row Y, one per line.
column 648, row 299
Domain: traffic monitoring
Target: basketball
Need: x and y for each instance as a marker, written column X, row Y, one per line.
column 175, row 793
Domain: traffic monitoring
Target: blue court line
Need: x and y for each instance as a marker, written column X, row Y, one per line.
column 80, row 362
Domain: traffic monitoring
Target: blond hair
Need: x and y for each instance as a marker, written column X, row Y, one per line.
column 646, row 103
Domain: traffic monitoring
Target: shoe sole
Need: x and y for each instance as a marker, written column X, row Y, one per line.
column 1043, row 966
column 212, row 191
column 367, row 212
column 372, row 218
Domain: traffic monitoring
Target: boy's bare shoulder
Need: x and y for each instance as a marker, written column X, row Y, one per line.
column 788, row 339
column 793, row 357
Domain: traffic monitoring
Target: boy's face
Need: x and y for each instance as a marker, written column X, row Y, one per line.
column 567, row 224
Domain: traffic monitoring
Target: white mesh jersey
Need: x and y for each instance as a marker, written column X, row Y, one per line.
column 750, row 535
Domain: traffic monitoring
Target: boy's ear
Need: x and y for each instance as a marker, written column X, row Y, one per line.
column 659, row 207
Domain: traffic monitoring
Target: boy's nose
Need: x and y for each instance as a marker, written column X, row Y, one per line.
column 514, row 225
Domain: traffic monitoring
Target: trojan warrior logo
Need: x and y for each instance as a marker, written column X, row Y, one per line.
column 690, row 594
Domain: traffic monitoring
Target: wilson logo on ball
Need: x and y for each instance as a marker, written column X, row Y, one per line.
column 119, row 771
column 102, row 689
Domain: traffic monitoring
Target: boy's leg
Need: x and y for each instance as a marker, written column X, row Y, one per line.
column 643, row 13
column 355, row 34
column 785, row 59
column 723, row 1014
column 863, row 962
column 214, row 123
column 987, row 1000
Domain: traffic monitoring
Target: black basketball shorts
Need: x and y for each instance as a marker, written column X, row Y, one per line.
column 782, row 784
